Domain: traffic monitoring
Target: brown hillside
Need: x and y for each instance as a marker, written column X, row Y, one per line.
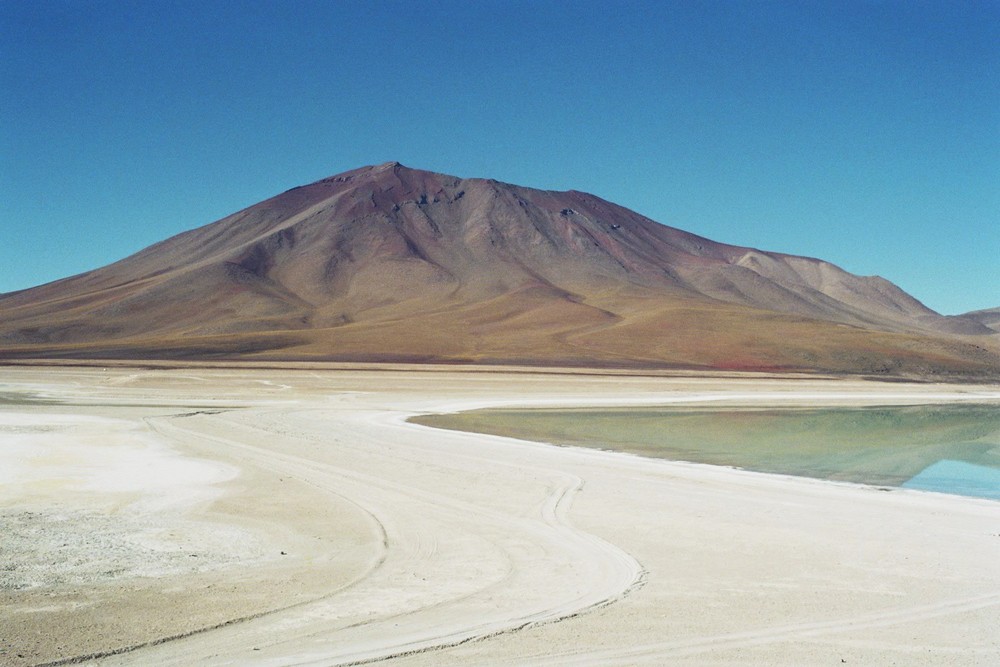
column 391, row 263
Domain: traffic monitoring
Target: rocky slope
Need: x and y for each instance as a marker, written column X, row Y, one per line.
column 392, row 263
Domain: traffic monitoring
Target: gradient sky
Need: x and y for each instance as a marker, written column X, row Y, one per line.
column 863, row 133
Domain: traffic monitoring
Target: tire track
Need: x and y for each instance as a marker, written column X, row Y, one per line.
column 779, row 634
column 544, row 569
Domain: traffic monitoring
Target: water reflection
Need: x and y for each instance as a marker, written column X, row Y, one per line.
column 951, row 448
column 958, row 477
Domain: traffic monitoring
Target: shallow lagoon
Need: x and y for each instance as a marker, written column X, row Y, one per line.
column 947, row 448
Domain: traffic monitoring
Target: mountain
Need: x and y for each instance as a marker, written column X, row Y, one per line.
column 393, row 263
column 989, row 317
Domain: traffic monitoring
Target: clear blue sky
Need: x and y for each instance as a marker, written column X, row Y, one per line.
column 864, row 133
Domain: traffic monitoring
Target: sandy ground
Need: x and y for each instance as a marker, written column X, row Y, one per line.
column 292, row 517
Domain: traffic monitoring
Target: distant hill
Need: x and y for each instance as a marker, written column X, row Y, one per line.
column 391, row 263
column 989, row 317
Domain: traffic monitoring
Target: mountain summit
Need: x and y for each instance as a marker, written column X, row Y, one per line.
column 392, row 263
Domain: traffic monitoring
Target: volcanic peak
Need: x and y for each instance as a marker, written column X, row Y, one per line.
column 386, row 261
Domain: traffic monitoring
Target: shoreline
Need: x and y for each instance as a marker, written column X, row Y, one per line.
column 404, row 543
column 939, row 446
column 516, row 368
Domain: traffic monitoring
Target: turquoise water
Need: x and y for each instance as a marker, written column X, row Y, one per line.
column 958, row 477
column 947, row 448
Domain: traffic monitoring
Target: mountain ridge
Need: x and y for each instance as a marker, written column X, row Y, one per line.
column 383, row 247
column 989, row 317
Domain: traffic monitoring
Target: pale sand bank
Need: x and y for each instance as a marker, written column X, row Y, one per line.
column 426, row 547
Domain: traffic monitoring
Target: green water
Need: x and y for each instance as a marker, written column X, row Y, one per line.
column 950, row 448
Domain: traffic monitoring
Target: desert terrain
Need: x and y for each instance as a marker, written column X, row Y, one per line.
column 398, row 265
column 254, row 515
